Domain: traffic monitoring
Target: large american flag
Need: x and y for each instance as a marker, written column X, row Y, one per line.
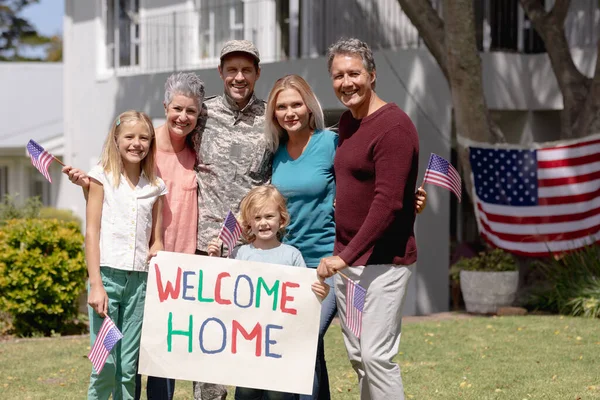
column 535, row 202
column 231, row 231
column 441, row 173
column 40, row 158
column 107, row 337
column 355, row 304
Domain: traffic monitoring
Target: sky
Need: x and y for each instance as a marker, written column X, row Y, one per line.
column 46, row 16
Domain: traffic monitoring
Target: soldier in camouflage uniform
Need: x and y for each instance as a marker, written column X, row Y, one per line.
column 233, row 155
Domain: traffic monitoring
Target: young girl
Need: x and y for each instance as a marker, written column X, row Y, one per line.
column 175, row 157
column 123, row 230
column 264, row 217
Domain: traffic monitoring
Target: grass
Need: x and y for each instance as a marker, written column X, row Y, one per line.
column 531, row 357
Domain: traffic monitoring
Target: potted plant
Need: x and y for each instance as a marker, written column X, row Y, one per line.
column 488, row 281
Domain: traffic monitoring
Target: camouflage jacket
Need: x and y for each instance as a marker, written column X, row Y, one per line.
column 232, row 158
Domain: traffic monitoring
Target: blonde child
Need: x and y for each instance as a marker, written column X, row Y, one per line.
column 264, row 217
column 123, row 230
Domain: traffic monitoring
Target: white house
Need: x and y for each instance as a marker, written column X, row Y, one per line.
column 31, row 107
column 119, row 53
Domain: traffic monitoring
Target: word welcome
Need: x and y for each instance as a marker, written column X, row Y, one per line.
column 189, row 283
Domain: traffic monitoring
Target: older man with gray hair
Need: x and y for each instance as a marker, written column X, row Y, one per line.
column 376, row 167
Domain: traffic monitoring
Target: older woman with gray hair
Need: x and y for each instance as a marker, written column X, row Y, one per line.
column 175, row 161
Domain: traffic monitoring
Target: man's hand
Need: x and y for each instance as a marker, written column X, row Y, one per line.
column 329, row 266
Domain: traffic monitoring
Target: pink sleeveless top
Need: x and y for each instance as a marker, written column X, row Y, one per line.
column 180, row 209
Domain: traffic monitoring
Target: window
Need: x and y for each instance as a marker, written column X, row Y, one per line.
column 220, row 21
column 40, row 187
column 3, row 181
column 121, row 32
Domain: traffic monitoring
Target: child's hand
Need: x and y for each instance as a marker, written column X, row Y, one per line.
column 420, row 200
column 77, row 176
column 98, row 300
column 214, row 248
column 153, row 251
column 320, row 288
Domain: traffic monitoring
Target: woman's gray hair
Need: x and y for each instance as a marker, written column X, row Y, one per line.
column 352, row 46
column 184, row 83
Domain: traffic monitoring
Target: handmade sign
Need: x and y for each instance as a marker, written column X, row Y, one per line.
column 231, row 322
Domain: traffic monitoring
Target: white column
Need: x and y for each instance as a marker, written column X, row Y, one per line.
column 260, row 26
column 294, row 27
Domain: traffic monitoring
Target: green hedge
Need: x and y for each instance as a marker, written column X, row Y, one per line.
column 571, row 284
column 42, row 273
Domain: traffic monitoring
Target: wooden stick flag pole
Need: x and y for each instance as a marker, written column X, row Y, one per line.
column 342, row 274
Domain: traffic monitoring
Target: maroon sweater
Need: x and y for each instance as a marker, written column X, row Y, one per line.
column 376, row 168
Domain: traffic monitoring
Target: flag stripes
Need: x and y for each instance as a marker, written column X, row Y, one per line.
column 107, row 337
column 441, row 173
column 536, row 201
column 355, row 303
column 231, row 231
column 40, row 158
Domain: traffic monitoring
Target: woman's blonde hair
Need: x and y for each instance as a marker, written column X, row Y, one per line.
column 111, row 160
column 273, row 131
column 254, row 201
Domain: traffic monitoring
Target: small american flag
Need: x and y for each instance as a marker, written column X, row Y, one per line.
column 231, row 231
column 441, row 173
column 355, row 303
column 40, row 158
column 106, row 339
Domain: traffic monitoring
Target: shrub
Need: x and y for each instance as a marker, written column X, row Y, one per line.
column 10, row 210
column 572, row 284
column 496, row 260
column 42, row 273
column 59, row 214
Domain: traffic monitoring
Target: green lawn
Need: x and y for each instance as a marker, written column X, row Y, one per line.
column 531, row 357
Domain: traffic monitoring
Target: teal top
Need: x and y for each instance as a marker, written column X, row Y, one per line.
column 308, row 184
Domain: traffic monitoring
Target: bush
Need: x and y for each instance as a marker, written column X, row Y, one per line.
column 496, row 260
column 572, row 284
column 61, row 215
column 9, row 210
column 42, row 273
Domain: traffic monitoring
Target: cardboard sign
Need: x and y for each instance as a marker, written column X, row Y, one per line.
column 230, row 322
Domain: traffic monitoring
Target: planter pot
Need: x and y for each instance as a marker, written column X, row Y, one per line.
column 484, row 292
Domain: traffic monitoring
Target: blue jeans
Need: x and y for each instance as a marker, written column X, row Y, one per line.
column 321, row 381
column 156, row 389
column 259, row 394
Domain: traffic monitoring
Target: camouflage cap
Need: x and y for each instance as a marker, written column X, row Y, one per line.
column 242, row 46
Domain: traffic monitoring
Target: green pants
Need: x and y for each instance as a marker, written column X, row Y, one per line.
column 126, row 292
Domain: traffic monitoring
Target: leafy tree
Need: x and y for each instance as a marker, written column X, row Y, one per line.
column 451, row 39
column 54, row 51
column 15, row 31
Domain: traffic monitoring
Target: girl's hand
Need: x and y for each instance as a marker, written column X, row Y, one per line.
column 214, row 248
column 320, row 288
column 156, row 247
column 420, row 200
column 98, row 300
column 77, row 176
